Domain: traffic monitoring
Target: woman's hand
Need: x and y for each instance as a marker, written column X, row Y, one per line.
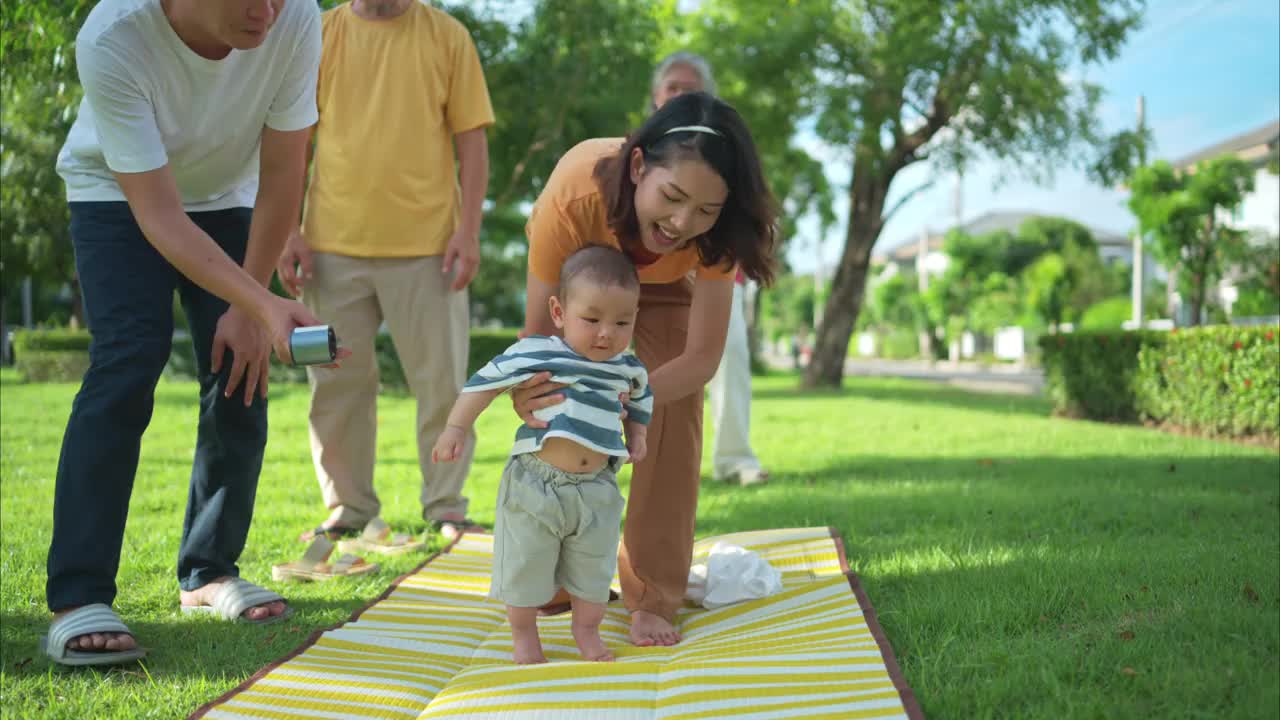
column 535, row 394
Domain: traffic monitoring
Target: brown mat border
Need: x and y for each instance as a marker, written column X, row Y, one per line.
column 314, row 636
column 905, row 692
column 909, row 702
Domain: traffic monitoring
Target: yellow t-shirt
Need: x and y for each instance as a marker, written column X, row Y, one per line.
column 392, row 94
column 570, row 215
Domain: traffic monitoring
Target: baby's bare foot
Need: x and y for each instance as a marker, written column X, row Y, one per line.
column 528, row 648
column 590, row 643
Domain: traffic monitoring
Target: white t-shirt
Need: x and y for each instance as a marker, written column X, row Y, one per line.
column 149, row 100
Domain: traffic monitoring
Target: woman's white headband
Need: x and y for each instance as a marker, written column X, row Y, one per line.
column 694, row 128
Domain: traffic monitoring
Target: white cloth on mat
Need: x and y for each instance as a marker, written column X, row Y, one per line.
column 731, row 574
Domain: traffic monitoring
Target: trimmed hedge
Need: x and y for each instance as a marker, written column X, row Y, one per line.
column 52, row 366
column 1218, row 380
column 51, row 340
column 485, row 345
column 61, row 354
column 52, row 355
column 1215, row 380
column 182, row 364
column 1094, row 374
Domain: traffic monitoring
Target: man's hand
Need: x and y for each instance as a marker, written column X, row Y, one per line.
column 463, row 253
column 250, row 353
column 294, row 266
column 280, row 317
column 449, row 445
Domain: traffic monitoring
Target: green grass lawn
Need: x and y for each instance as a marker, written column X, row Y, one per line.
column 1022, row 566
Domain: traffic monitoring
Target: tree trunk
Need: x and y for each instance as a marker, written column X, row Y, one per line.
column 1198, row 291
column 1197, row 302
column 866, row 207
column 1200, row 271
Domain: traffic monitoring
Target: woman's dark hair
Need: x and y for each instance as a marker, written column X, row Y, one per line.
column 746, row 230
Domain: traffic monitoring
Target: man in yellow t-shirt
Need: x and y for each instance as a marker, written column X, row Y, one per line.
column 391, row 234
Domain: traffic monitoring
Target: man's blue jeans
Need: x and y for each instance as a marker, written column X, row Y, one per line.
column 128, row 297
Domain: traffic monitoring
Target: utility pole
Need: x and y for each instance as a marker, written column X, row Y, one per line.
column 922, row 284
column 1138, row 261
column 922, row 252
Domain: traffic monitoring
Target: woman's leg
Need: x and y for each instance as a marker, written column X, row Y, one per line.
column 657, row 540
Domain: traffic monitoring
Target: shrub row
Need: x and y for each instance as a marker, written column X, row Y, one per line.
column 1218, row 380
column 63, row 355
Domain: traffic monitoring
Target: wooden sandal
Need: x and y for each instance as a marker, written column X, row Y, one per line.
column 377, row 537
column 314, row 564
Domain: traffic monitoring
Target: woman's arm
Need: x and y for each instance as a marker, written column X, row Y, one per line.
column 708, row 325
column 537, row 313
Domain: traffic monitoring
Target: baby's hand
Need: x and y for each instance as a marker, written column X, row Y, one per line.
column 449, row 445
column 637, row 447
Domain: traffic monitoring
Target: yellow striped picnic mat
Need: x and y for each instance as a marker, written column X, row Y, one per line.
column 435, row 647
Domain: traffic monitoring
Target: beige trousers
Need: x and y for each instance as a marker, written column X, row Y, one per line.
column 429, row 326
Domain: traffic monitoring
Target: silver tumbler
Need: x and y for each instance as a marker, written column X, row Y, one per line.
column 313, row 345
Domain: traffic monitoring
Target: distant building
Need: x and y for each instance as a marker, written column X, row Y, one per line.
column 1259, row 214
column 906, row 257
column 1260, row 147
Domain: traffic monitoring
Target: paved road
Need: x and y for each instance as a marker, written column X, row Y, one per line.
column 994, row 379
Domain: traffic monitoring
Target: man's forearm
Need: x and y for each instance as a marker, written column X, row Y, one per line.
column 473, row 176
column 154, row 200
column 198, row 257
column 281, row 178
column 271, row 226
column 275, row 216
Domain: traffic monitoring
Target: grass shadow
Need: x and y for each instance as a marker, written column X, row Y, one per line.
column 1006, row 500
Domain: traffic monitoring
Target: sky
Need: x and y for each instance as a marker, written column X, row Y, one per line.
column 1209, row 69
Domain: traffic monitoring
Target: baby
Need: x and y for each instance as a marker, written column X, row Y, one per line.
column 558, row 505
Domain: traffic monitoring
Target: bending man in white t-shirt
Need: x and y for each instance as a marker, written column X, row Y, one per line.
column 194, row 114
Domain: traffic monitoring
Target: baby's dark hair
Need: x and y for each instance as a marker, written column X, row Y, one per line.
column 603, row 265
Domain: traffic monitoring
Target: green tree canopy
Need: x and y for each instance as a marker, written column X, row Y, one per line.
column 1180, row 210
column 897, row 82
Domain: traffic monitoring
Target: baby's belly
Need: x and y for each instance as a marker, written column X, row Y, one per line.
column 570, row 456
